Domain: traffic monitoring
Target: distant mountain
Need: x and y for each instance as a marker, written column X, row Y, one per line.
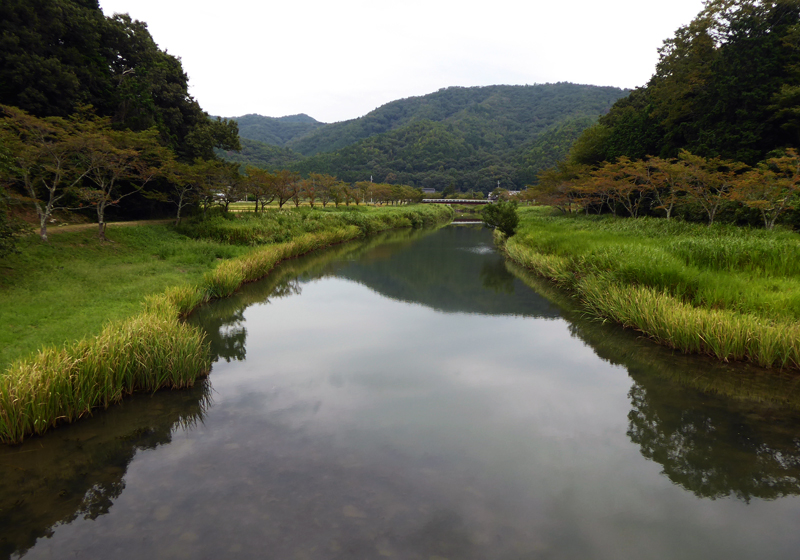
column 469, row 138
column 276, row 131
column 261, row 154
column 501, row 116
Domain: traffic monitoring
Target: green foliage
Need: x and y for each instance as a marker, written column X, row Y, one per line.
column 260, row 154
column 10, row 227
column 548, row 148
column 499, row 117
column 726, row 85
column 590, row 147
column 502, row 215
column 469, row 138
column 57, row 56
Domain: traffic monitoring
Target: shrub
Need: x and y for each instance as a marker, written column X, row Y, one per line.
column 502, row 215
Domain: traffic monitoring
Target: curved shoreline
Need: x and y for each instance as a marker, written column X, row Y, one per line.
column 154, row 349
column 666, row 319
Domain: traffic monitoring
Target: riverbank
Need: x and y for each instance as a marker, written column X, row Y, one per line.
column 142, row 347
column 728, row 292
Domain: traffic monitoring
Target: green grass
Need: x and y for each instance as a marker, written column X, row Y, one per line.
column 59, row 293
column 733, row 293
column 80, row 303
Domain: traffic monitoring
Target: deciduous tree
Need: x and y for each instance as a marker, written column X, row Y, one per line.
column 286, row 186
column 48, row 158
column 120, row 163
column 772, row 188
column 708, row 181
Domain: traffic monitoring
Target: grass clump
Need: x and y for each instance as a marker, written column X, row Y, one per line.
column 150, row 351
column 724, row 291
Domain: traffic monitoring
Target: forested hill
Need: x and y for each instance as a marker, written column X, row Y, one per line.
column 276, row 131
column 726, row 85
column 502, row 116
column 468, row 138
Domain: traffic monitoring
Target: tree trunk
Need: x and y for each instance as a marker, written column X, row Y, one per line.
column 42, row 225
column 101, row 224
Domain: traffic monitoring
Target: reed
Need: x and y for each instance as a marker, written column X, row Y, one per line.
column 722, row 291
column 278, row 226
column 723, row 334
column 150, row 351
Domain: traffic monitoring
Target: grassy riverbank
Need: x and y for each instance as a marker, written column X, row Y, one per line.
column 729, row 292
column 53, row 295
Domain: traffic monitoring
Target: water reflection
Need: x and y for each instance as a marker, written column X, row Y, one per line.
column 714, row 449
column 347, row 424
column 717, row 429
column 496, row 277
column 451, row 273
column 78, row 471
column 223, row 320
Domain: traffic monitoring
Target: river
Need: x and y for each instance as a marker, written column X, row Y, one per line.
column 414, row 396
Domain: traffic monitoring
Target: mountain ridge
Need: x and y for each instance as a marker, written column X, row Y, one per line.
column 467, row 137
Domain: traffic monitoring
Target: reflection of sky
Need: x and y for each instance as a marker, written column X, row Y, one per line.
column 359, row 419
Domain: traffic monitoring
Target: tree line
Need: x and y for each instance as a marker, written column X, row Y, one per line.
column 653, row 184
column 57, row 56
column 282, row 187
column 83, row 162
column 727, row 85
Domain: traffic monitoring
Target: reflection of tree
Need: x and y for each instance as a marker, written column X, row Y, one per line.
column 713, row 448
column 286, row 288
column 223, row 321
column 227, row 336
column 78, row 471
column 446, row 273
column 496, row 277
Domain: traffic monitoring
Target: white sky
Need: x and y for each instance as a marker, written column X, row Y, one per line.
column 338, row 60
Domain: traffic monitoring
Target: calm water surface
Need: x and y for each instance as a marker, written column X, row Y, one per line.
column 413, row 397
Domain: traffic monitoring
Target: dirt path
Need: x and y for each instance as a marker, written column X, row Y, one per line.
column 110, row 225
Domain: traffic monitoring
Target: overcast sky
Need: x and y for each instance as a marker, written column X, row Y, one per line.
column 338, row 60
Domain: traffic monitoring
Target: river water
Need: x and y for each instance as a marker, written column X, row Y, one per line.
column 414, row 396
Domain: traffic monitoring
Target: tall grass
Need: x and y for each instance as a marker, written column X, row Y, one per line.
column 728, row 292
column 148, row 352
column 229, row 275
column 279, row 226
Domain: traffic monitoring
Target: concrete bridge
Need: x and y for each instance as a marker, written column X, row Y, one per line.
column 454, row 201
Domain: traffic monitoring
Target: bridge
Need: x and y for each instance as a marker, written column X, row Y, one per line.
column 454, row 201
